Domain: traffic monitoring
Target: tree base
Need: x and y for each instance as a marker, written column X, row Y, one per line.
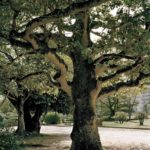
column 86, row 138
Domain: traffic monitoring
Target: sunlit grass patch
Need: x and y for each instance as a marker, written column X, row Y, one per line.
column 127, row 124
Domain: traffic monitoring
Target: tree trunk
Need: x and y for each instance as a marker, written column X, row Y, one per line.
column 36, row 119
column 32, row 124
column 112, row 113
column 27, row 117
column 85, row 131
column 21, row 124
column 129, row 116
column 141, row 122
column 25, row 121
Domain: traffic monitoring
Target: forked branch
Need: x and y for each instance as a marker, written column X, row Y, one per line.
column 120, row 85
column 61, row 76
column 107, row 57
column 74, row 8
column 122, row 70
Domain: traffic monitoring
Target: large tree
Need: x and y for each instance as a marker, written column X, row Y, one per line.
column 20, row 75
column 117, row 58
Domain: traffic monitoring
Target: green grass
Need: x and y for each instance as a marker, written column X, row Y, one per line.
column 128, row 124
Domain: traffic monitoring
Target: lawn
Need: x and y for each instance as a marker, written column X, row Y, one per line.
column 128, row 124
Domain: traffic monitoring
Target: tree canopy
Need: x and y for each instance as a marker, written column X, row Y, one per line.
column 106, row 41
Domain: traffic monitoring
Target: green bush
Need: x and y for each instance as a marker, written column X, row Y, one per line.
column 52, row 118
column 8, row 119
column 11, row 119
column 107, row 118
column 99, row 122
column 120, row 116
column 141, row 116
column 67, row 119
column 8, row 140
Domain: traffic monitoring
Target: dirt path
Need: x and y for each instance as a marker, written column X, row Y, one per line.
column 112, row 138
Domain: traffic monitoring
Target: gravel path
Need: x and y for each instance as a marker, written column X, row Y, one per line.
column 120, row 139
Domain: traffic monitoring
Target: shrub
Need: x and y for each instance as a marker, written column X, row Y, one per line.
column 107, row 118
column 120, row 116
column 8, row 119
column 52, row 118
column 141, row 116
column 99, row 122
column 67, row 119
column 7, row 140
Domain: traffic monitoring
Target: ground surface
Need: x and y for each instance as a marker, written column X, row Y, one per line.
column 57, row 138
column 128, row 124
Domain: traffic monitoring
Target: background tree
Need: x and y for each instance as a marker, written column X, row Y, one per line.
column 119, row 101
column 16, row 69
column 112, row 104
column 21, row 75
column 129, row 102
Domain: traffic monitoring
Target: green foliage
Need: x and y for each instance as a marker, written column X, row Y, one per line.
column 57, row 102
column 9, row 114
column 120, row 116
column 141, row 116
column 99, row 121
column 52, row 118
column 67, row 119
column 1, row 121
column 7, row 107
column 61, row 103
column 7, row 140
column 8, row 119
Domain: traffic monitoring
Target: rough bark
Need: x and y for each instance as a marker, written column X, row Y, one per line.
column 27, row 117
column 21, row 124
column 85, row 132
column 32, row 124
column 25, row 120
column 36, row 119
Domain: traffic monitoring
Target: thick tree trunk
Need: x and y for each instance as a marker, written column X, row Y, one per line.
column 27, row 117
column 25, row 121
column 36, row 119
column 32, row 124
column 21, row 124
column 85, row 131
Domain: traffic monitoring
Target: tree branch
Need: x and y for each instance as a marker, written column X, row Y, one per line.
column 74, row 8
column 86, row 30
column 21, row 55
column 4, row 36
column 62, row 74
column 14, row 39
column 8, row 56
column 52, row 81
column 107, row 57
column 129, row 83
column 19, row 79
column 121, row 71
